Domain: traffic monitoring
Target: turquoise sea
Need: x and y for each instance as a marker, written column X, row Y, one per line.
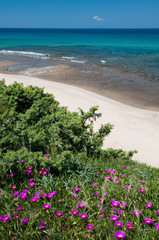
column 130, row 51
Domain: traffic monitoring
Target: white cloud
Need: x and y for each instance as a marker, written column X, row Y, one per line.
column 97, row 18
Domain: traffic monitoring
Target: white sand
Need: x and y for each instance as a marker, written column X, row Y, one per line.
column 134, row 128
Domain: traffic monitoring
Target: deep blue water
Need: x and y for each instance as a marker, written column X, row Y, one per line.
column 130, row 50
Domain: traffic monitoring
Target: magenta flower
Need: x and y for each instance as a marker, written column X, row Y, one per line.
column 142, row 190
column 30, row 179
column 14, row 187
column 50, row 195
column 103, row 208
column 143, row 180
column 136, row 212
column 113, row 170
column 46, row 205
column 94, row 184
column 74, row 195
column 42, row 224
column 81, row 204
column 90, row 226
column 22, row 161
column 123, row 204
column 15, row 194
column 114, row 217
column 44, row 172
column 128, row 187
column 108, row 176
column 76, row 189
column 115, row 178
column 30, row 167
column 53, row 193
column 97, row 172
column 25, row 191
column 25, row 220
column 157, row 226
column 120, row 234
column 75, row 211
column 47, row 155
column 120, row 212
column 115, row 204
column 6, row 217
column 1, row 217
column 112, row 199
column 117, row 181
column 148, row 220
column 23, row 195
column 33, row 199
column 149, row 205
column 83, row 215
column 101, row 215
column 129, row 225
column 157, row 211
column 118, row 223
column 108, row 170
column 114, row 210
column 58, row 214
column 31, row 184
column 96, row 193
column 15, row 216
column 18, row 208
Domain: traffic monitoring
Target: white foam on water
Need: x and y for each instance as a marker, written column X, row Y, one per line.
column 68, row 57
column 27, row 54
column 77, row 61
column 103, row 61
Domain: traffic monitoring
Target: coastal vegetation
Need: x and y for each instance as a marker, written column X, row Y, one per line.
column 56, row 181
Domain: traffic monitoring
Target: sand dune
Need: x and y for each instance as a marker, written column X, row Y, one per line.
column 134, row 128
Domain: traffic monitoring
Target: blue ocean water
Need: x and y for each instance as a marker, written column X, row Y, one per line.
column 130, row 50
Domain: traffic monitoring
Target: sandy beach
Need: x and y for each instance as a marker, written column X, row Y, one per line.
column 134, row 128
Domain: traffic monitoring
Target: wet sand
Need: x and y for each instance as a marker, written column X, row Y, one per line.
column 134, row 128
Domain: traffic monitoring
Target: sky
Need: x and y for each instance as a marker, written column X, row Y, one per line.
column 79, row 14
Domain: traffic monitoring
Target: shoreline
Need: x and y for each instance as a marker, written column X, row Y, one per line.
column 134, row 128
column 127, row 88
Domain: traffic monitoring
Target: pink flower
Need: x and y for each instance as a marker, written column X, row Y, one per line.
column 148, row 220
column 94, row 184
column 58, row 214
column 6, row 217
column 30, row 179
column 42, row 224
column 118, row 223
column 157, row 211
column 25, row 220
column 114, row 217
column 136, row 212
column 47, row 155
column 157, row 226
column 14, row 187
column 15, row 216
column 83, row 215
column 123, row 204
column 141, row 190
column 115, row 204
column 75, row 211
column 46, row 205
column 120, row 234
column 129, row 225
column 108, row 176
column 81, row 204
column 76, row 189
column 149, row 205
column 128, row 187
column 97, row 172
column 15, row 194
column 101, row 215
column 31, row 184
column 90, row 226
column 33, row 199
